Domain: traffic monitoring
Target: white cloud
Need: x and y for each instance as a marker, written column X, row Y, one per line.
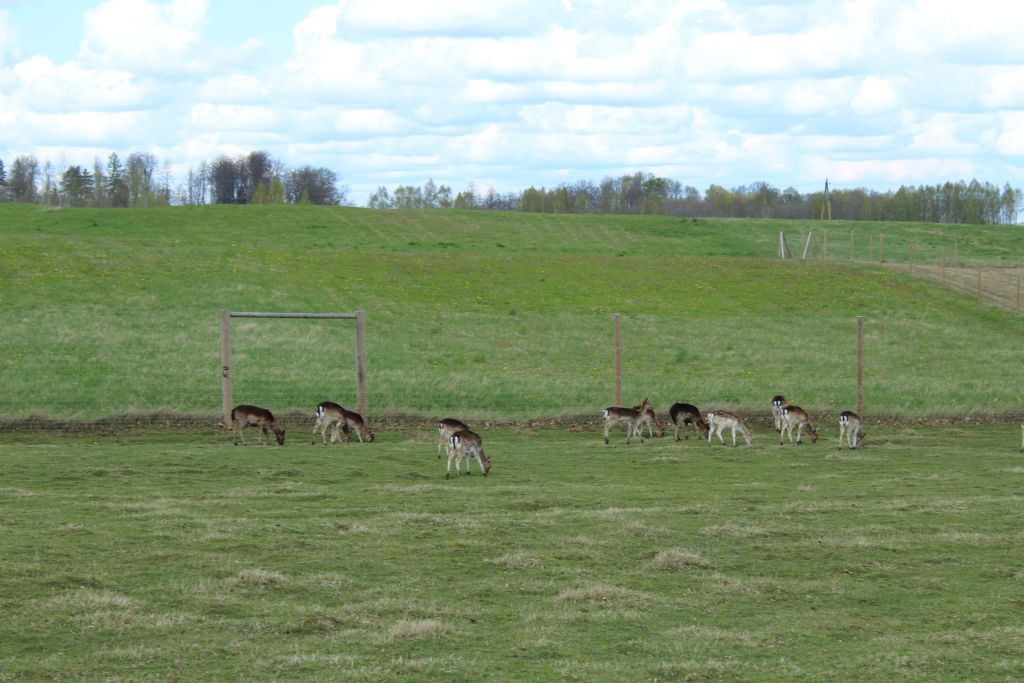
column 143, row 36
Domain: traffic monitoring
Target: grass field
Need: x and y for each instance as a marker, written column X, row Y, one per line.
column 167, row 556
column 486, row 315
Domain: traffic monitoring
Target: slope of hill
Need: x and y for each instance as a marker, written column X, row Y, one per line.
column 482, row 314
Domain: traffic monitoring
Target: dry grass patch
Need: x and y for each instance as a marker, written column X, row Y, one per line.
column 516, row 560
column 601, row 593
column 87, row 598
column 260, row 578
column 422, row 628
column 679, row 560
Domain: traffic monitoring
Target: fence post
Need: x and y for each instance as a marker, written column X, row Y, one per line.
column 618, row 359
column 361, row 362
column 225, row 366
column 860, row 366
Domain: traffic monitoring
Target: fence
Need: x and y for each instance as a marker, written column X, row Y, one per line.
column 992, row 278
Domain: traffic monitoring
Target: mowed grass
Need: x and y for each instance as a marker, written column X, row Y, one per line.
column 483, row 314
column 171, row 556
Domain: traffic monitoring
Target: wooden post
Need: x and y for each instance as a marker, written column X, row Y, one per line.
column 910, row 258
column 225, row 366
column 860, row 366
column 618, row 359
column 824, row 247
column 782, row 245
column 807, row 245
column 881, row 237
column 801, row 244
column 361, row 362
column 943, row 266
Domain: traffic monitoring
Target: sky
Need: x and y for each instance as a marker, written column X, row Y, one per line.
column 508, row 94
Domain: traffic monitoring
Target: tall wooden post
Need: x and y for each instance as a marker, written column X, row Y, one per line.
column 361, row 361
column 860, row 366
column 225, row 365
column 618, row 359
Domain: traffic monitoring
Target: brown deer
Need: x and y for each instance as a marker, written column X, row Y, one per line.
column 617, row 415
column 720, row 419
column 850, row 425
column 683, row 414
column 328, row 414
column 648, row 419
column 243, row 416
column 778, row 403
column 469, row 445
column 338, row 418
column 355, row 422
column 445, row 429
column 795, row 416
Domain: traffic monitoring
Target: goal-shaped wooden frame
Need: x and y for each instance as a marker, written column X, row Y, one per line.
column 225, row 351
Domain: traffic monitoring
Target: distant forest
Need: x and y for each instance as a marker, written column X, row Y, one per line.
column 257, row 178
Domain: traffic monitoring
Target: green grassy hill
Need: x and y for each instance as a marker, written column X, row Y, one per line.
column 483, row 314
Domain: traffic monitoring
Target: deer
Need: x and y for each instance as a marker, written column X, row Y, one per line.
column 328, row 414
column 778, row 403
column 617, row 415
column 649, row 419
column 720, row 419
column 850, row 425
column 795, row 416
column 446, row 428
column 355, row 422
column 469, row 445
column 243, row 416
column 338, row 418
column 683, row 414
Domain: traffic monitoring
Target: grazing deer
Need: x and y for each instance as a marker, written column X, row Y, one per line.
column 795, row 416
column 328, row 414
column 683, row 414
column 778, row 403
column 616, row 415
column 466, row 444
column 720, row 419
column 355, row 421
column 243, row 416
column 849, row 424
column 445, row 429
column 649, row 419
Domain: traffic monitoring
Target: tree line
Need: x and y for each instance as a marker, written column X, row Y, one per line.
column 141, row 180
column 644, row 193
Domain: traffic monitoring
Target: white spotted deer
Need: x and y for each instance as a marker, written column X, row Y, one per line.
column 328, row 415
column 243, row 416
column 616, row 415
column 683, row 414
column 721, row 419
column 649, row 419
column 468, row 445
column 338, row 418
column 795, row 416
column 446, row 428
column 778, row 403
column 850, row 425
